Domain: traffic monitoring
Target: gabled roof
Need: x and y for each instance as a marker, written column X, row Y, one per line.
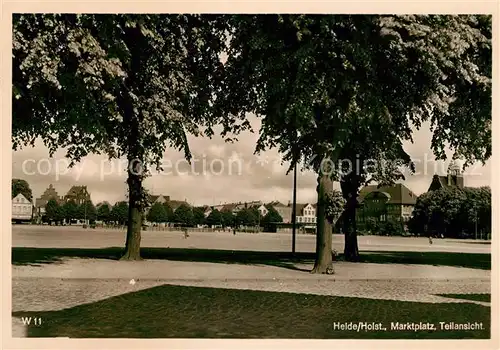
column 442, row 180
column 42, row 202
column 276, row 204
column 229, row 207
column 399, row 193
column 299, row 208
column 174, row 204
column 103, row 203
column 77, row 190
column 22, row 195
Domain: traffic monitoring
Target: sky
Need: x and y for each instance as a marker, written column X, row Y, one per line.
column 221, row 172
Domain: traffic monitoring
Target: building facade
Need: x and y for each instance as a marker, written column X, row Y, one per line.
column 22, row 208
column 78, row 194
column 454, row 178
column 306, row 214
column 284, row 210
column 387, row 203
column 41, row 202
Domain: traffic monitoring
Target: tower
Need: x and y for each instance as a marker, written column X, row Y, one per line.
column 455, row 176
column 454, row 168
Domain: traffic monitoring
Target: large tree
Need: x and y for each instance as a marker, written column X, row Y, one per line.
column 87, row 211
column 119, row 213
column 228, row 218
column 70, row 211
column 103, row 212
column 322, row 83
column 452, row 212
column 247, row 217
column 214, row 218
column 53, row 211
column 122, row 85
column 272, row 216
column 183, row 214
column 169, row 212
column 21, row 186
column 198, row 216
column 157, row 213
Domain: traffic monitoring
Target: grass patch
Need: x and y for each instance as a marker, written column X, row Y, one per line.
column 170, row 311
column 38, row 256
column 475, row 297
column 469, row 260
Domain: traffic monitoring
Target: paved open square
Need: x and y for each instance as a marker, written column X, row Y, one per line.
column 77, row 237
column 69, row 281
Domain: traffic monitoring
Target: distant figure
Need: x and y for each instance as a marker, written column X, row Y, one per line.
column 186, row 234
column 234, row 231
column 430, row 239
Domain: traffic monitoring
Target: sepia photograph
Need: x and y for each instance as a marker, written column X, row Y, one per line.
column 251, row 176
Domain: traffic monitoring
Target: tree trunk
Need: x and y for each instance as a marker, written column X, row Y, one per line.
column 351, row 252
column 134, row 225
column 350, row 192
column 135, row 171
column 323, row 263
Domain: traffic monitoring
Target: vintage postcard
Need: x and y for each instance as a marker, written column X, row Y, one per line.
column 207, row 175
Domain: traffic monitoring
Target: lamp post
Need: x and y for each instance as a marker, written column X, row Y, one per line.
column 475, row 223
column 85, row 213
column 294, row 200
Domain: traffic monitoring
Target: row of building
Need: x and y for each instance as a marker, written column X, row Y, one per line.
column 23, row 209
column 386, row 203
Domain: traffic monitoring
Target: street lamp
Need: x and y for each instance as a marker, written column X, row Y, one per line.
column 475, row 223
column 294, row 201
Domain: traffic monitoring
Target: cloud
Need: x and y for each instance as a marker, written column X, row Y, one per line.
column 220, row 172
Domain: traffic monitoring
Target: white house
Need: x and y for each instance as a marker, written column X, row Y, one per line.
column 262, row 210
column 306, row 213
column 22, row 208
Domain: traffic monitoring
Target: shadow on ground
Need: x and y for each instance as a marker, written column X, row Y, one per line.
column 171, row 311
column 38, row 256
column 474, row 297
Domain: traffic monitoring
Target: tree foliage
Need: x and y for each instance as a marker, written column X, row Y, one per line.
column 228, row 218
column 343, row 86
column 198, row 216
column 157, row 213
column 119, row 213
column 70, row 209
column 335, row 206
column 87, row 211
column 124, row 85
column 271, row 217
column 183, row 215
column 452, row 212
column 54, row 212
column 21, row 186
column 214, row 218
column 104, row 212
column 247, row 217
column 169, row 212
